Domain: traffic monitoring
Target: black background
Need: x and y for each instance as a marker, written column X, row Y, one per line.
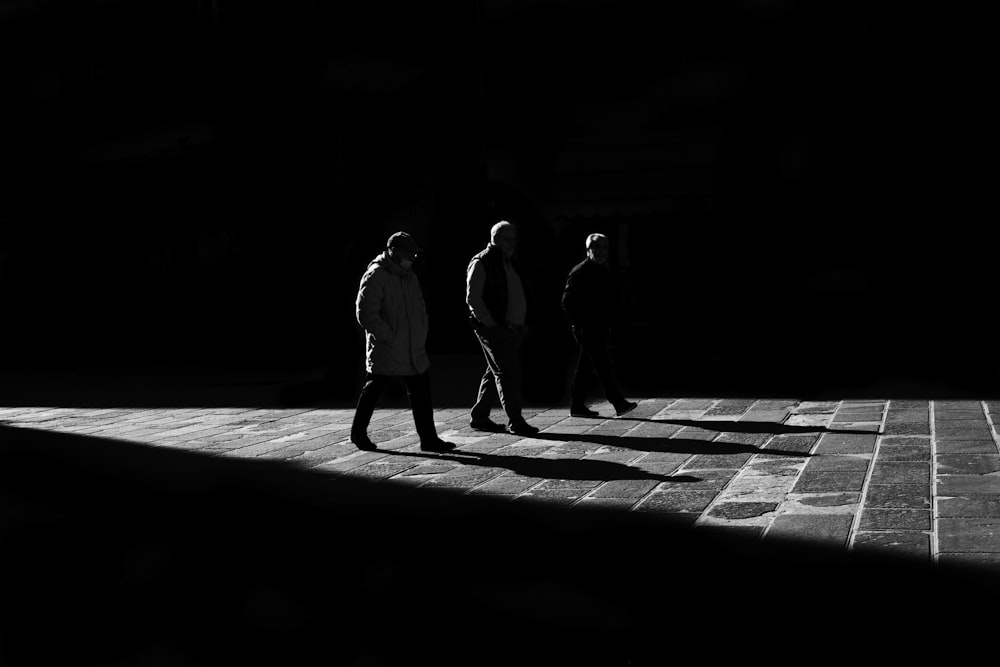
column 203, row 183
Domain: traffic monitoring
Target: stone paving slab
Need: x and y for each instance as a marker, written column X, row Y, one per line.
column 897, row 476
column 908, row 543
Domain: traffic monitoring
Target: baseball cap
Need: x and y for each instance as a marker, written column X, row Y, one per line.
column 404, row 241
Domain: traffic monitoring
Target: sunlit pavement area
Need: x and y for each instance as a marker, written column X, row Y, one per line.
column 914, row 477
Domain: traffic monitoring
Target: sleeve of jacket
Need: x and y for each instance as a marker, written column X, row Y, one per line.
column 369, row 307
column 422, row 307
column 530, row 296
column 475, row 279
column 571, row 298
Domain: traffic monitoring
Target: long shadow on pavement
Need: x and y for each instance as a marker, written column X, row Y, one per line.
column 546, row 468
column 665, row 445
column 748, row 426
column 120, row 553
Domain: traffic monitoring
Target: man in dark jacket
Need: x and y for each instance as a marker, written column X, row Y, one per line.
column 498, row 298
column 390, row 308
column 589, row 301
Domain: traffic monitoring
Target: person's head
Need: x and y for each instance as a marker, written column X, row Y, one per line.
column 597, row 248
column 402, row 249
column 504, row 236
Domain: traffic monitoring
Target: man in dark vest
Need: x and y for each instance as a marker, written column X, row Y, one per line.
column 589, row 302
column 498, row 297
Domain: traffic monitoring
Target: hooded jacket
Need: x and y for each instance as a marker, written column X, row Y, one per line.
column 390, row 308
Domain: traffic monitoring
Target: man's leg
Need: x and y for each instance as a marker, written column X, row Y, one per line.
column 600, row 359
column 374, row 384
column 582, row 373
column 506, row 367
column 596, row 347
column 418, row 391
column 487, row 388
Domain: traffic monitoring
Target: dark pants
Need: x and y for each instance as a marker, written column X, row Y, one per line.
column 502, row 378
column 593, row 359
column 418, row 391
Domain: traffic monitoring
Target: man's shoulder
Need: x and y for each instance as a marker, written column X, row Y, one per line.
column 579, row 268
column 481, row 254
column 374, row 272
column 479, row 258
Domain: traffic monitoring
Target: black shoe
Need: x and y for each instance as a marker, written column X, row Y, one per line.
column 627, row 406
column 583, row 411
column 362, row 441
column 522, row 428
column 486, row 425
column 437, row 445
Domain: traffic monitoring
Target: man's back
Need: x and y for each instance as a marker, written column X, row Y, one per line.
column 588, row 298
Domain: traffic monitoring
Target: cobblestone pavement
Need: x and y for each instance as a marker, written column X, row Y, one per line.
column 914, row 477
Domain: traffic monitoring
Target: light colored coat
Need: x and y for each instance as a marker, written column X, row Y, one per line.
column 390, row 307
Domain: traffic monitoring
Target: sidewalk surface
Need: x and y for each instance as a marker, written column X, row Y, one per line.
column 914, row 477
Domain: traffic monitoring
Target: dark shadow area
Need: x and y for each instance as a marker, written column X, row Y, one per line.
column 568, row 469
column 690, row 361
column 149, row 387
column 117, row 553
column 454, row 380
column 454, row 383
column 310, row 393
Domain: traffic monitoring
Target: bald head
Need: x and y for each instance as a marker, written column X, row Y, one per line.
column 597, row 248
column 504, row 236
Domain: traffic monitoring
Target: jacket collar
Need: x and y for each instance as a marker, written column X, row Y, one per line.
column 389, row 264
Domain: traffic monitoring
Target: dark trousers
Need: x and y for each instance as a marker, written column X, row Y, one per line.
column 502, row 377
column 593, row 359
column 418, row 392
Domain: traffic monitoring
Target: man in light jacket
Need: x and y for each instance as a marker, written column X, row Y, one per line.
column 390, row 308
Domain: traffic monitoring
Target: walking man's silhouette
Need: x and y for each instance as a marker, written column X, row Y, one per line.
column 498, row 297
column 390, row 307
column 589, row 302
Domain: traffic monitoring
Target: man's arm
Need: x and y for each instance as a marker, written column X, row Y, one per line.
column 475, row 281
column 368, row 309
column 571, row 299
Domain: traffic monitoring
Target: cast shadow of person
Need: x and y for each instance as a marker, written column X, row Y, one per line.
column 667, row 445
column 549, row 468
column 600, row 470
column 774, row 428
